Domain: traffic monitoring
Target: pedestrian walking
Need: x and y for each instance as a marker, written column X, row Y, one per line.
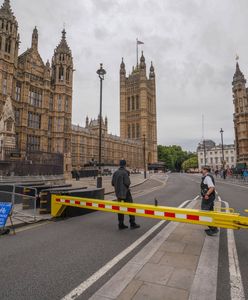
column 208, row 195
column 121, row 182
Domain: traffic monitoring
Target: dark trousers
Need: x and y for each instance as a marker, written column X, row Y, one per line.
column 208, row 205
column 128, row 199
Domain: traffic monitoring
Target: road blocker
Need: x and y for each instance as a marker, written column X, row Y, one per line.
column 227, row 219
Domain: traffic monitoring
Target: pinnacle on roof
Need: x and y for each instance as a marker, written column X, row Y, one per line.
column 6, row 11
column 122, row 63
column 142, row 59
column 152, row 68
column 63, row 46
column 238, row 75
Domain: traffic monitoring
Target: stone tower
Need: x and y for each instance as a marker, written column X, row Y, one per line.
column 62, row 79
column 9, row 46
column 138, row 117
column 240, row 101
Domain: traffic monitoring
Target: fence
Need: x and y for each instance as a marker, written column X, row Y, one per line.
column 11, row 179
column 24, row 206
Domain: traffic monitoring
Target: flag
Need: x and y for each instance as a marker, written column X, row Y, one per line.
column 237, row 57
column 139, row 42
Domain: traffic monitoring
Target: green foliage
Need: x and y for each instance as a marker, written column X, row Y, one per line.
column 191, row 163
column 173, row 156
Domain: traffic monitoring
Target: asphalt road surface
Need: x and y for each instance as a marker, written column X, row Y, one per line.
column 49, row 260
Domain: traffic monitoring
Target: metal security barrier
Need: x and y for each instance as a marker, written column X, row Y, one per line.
column 221, row 219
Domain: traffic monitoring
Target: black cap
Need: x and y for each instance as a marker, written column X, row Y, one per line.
column 123, row 163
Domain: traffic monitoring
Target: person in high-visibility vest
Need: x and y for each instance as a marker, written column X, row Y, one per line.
column 208, row 195
column 121, row 182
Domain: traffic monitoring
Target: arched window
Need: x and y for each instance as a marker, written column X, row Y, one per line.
column 0, row 43
column 68, row 74
column 8, row 45
column 137, row 102
column 128, row 104
column 133, row 103
column 133, row 131
column 129, row 131
column 61, row 73
column 137, row 131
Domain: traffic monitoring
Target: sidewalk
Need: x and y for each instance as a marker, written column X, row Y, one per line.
column 136, row 179
column 172, row 266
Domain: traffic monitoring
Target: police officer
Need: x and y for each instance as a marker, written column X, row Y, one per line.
column 208, row 195
column 121, row 182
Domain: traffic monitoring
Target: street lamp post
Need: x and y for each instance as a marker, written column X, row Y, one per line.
column 222, row 149
column 101, row 72
column 204, row 151
column 144, row 155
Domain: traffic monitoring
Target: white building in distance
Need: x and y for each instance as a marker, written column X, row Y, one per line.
column 214, row 155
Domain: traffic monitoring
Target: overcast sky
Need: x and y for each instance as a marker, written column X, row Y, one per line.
column 192, row 43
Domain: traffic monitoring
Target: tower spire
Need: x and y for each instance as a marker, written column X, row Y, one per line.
column 6, row 11
column 35, row 38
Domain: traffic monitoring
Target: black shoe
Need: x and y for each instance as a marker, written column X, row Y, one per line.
column 122, row 226
column 134, row 226
column 211, row 232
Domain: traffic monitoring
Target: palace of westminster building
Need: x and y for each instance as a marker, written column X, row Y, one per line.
column 36, row 106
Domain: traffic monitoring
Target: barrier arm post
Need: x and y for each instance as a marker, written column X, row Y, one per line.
column 221, row 219
column 56, row 208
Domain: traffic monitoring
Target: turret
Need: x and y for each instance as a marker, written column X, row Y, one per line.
column 142, row 61
column 122, row 68
column 238, row 77
column 62, row 63
column 106, row 123
column 87, row 122
column 9, row 38
column 152, row 73
column 35, row 38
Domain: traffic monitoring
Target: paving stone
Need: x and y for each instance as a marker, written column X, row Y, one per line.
column 173, row 246
column 180, row 260
column 194, row 249
column 181, row 278
column 158, row 292
column 155, row 259
column 194, row 239
column 176, row 236
column 155, row 273
column 130, row 290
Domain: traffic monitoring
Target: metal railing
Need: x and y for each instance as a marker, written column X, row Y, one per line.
column 11, row 179
column 24, row 206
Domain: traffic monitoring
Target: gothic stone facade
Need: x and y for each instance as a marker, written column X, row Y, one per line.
column 41, row 95
column 240, row 101
column 138, row 115
column 85, row 145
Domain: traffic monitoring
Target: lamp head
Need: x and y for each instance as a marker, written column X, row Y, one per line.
column 101, row 72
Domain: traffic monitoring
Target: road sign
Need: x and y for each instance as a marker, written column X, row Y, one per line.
column 5, row 209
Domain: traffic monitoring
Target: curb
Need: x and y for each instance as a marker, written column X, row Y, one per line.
column 137, row 184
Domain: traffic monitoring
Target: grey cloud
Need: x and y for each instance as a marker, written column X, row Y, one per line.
column 192, row 44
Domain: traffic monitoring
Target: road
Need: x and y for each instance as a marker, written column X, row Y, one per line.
column 47, row 261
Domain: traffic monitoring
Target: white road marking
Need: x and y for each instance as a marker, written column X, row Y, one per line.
column 237, row 289
column 79, row 290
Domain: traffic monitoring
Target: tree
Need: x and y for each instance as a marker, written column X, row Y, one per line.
column 190, row 163
column 173, row 156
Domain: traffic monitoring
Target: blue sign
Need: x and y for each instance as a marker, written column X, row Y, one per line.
column 5, row 209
